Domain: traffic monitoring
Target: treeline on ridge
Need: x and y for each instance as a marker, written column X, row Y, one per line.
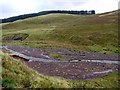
column 14, row 18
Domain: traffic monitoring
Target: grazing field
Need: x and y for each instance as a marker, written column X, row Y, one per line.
column 96, row 33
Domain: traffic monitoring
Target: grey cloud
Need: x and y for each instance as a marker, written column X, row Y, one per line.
column 42, row 5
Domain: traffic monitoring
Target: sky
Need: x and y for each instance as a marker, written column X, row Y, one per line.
column 10, row 8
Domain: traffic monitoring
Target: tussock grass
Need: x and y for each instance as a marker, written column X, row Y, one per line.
column 56, row 56
column 79, row 32
column 15, row 74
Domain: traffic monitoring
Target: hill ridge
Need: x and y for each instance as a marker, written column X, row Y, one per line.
column 15, row 18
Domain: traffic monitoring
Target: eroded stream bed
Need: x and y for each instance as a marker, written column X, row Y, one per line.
column 75, row 65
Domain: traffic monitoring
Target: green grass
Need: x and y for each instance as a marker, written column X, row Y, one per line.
column 94, row 33
column 108, row 81
column 79, row 32
column 56, row 56
column 17, row 75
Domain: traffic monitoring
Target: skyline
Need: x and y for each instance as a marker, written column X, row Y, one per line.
column 11, row 8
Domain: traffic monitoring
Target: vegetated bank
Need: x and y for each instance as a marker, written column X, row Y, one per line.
column 17, row 75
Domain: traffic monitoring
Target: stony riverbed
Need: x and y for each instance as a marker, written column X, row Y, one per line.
column 70, row 69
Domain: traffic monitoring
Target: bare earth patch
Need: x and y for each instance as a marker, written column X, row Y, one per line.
column 67, row 69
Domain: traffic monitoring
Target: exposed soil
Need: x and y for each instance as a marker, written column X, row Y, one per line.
column 18, row 36
column 69, row 70
column 65, row 53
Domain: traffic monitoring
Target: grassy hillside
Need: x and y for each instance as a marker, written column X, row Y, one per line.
column 97, row 33
column 15, row 74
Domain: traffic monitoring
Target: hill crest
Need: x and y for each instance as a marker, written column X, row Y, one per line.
column 15, row 18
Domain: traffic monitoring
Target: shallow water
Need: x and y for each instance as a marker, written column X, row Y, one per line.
column 102, row 61
column 103, row 72
column 77, row 68
column 49, row 60
column 29, row 57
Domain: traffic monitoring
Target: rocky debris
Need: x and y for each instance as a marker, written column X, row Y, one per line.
column 65, row 53
column 76, row 70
